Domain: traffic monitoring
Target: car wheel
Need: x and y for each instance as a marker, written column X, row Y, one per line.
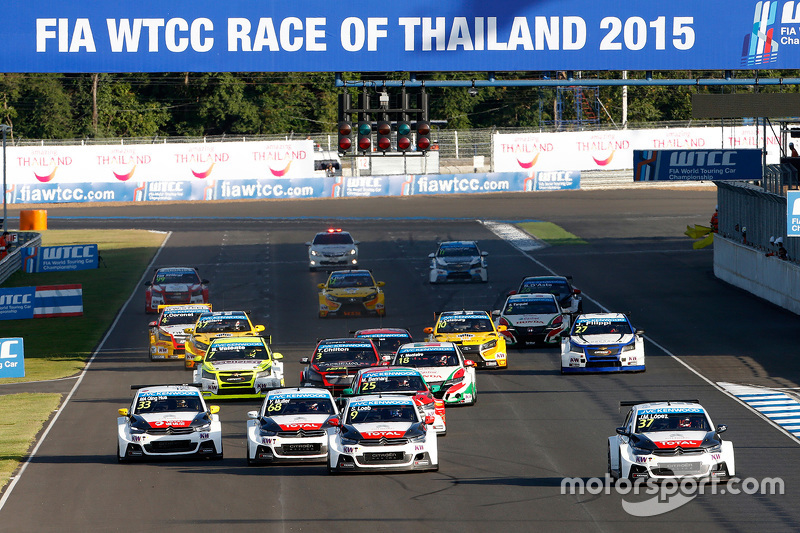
column 323, row 315
column 250, row 462
column 119, row 458
column 151, row 356
column 611, row 474
column 331, row 471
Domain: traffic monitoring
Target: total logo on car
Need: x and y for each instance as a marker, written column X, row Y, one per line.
column 476, row 335
column 669, row 439
column 458, row 261
column 168, row 333
column 332, row 249
column 168, row 421
column 174, row 285
column 351, row 293
column 239, row 367
column 532, row 318
column 293, row 425
column 450, row 376
column 216, row 325
column 602, row 342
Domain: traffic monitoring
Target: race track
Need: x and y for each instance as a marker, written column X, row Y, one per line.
column 503, row 460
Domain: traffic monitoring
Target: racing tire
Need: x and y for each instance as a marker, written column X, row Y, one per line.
column 120, row 460
column 611, row 475
column 331, row 470
column 219, row 456
column 250, row 462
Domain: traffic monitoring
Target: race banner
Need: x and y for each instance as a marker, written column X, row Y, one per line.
column 41, row 302
column 59, row 258
column 696, row 165
column 12, row 358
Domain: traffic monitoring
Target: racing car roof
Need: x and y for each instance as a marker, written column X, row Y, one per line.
column 601, row 316
column 385, row 399
column 657, row 403
column 457, row 243
column 299, row 392
column 462, row 313
column 150, row 389
column 532, row 296
column 433, row 345
column 381, row 332
column 390, row 371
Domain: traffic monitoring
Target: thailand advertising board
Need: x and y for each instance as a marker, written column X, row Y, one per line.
column 414, row 35
column 696, row 165
column 59, row 258
column 41, row 302
column 12, row 358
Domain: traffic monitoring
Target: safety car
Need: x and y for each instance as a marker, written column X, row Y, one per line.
column 602, row 342
column 458, row 261
column 569, row 298
column 475, row 333
column 400, row 380
column 168, row 421
column 387, row 340
column 351, row 293
column 168, row 333
column 669, row 439
column 219, row 324
column 531, row 318
column 333, row 248
column 336, row 361
column 450, row 376
column 239, row 367
column 292, row 425
column 382, row 433
column 174, row 285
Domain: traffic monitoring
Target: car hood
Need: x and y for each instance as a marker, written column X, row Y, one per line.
column 466, row 338
column 530, row 320
column 377, row 430
column 352, row 291
column 297, row 422
column 459, row 260
column 176, row 330
column 332, row 248
column 164, row 420
column 437, row 373
column 206, row 337
column 176, row 287
column 226, row 366
column 676, row 439
column 605, row 339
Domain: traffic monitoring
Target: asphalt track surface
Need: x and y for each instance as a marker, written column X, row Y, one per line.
column 503, row 460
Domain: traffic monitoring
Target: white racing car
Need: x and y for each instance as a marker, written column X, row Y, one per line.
column 669, row 439
column 532, row 318
column 381, row 434
column 168, row 421
column 602, row 342
column 292, row 425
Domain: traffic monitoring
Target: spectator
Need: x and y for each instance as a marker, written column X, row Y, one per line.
column 715, row 220
column 770, row 251
column 782, row 253
column 5, row 243
column 793, row 152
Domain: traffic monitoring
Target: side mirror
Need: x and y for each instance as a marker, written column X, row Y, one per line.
column 277, row 355
column 502, row 327
column 381, row 283
column 386, row 358
column 334, row 422
column 640, row 332
column 576, row 291
column 152, row 324
column 512, row 293
column 259, row 328
column 321, row 286
column 198, row 358
column 429, row 420
column 305, row 361
column 187, row 330
column 148, row 283
column 431, row 256
column 347, row 392
column 624, row 432
column 722, row 428
column 428, row 330
column 204, row 281
column 122, row 412
column 252, row 414
column 484, row 253
column 496, row 312
column 356, row 242
column 213, row 409
column 469, row 362
column 308, row 243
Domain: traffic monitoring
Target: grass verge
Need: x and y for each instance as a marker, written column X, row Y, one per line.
column 21, row 419
column 550, row 233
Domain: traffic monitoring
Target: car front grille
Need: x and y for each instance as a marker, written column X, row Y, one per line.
column 176, row 297
column 383, row 441
column 302, row 433
column 235, row 378
column 383, row 458
column 680, row 469
column 170, row 446
column 170, row 431
column 308, row 448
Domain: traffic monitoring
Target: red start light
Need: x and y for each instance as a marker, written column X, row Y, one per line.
column 364, row 143
column 423, row 143
column 345, row 143
column 403, row 143
column 384, row 143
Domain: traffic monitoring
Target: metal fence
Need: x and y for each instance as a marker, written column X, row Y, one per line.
column 12, row 262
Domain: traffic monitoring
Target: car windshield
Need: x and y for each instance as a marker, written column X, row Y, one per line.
column 343, row 281
column 389, row 344
column 389, row 383
column 222, row 324
column 186, row 277
column 558, row 287
column 464, row 324
column 427, row 359
column 531, row 307
column 159, row 402
column 647, row 422
column 333, row 238
column 360, row 413
column 458, row 251
column 328, row 354
column 299, row 406
column 235, row 351
column 176, row 319
column 601, row 326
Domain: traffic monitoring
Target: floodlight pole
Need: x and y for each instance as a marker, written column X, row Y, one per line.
column 4, row 128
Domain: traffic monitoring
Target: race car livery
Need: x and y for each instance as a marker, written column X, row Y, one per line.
column 602, row 342
column 569, row 298
column 351, row 293
column 387, row 340
column 458, row 261
column 669, row 439
column 168, row 333
column 476, row 335
column 174, row 285
column 168, row 421
column 450, row 376
column 400, row 380
column 239, row 367
column 332, row 249
column 216, row 325
column 336, row 361
column 531, row 318
column 293, row 425
column 380, row 434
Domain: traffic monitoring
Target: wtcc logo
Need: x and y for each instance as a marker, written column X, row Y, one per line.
column 760, row 46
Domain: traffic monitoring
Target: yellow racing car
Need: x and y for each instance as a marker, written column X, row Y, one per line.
column 216, row 325
column 474, row 332
column 168, row 333
column 351, row 293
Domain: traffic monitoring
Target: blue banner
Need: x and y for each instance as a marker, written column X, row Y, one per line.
column 59, row 258
column 413, row 35
column 41, row 302
column 12, row 358
column 16, row 303
column 793, row 213
column 696, row 165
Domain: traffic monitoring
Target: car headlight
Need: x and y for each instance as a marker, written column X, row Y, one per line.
column 475, row 263
column 629, row 347
column 353, row 251
column 161, row 336
column 574, row 348
column 199, row 346
column 417, row 438
column 640, row 451
column 313, row 252
column 488, row 345
column 204, row 427
column 264, row 374
column 714, row 449
column 331, row 298
column 208, row 375
column 349, row 442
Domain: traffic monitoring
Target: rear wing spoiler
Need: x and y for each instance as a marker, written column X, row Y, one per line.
column 638, row 402
column 137, row 387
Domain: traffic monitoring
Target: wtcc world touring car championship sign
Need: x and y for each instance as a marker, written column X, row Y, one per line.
column 59, row 258
column 696, row 165
column 414, row 35
column 12, row 358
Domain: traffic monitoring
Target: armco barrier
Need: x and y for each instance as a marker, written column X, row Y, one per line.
column 13, row 261
column 751, row 269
